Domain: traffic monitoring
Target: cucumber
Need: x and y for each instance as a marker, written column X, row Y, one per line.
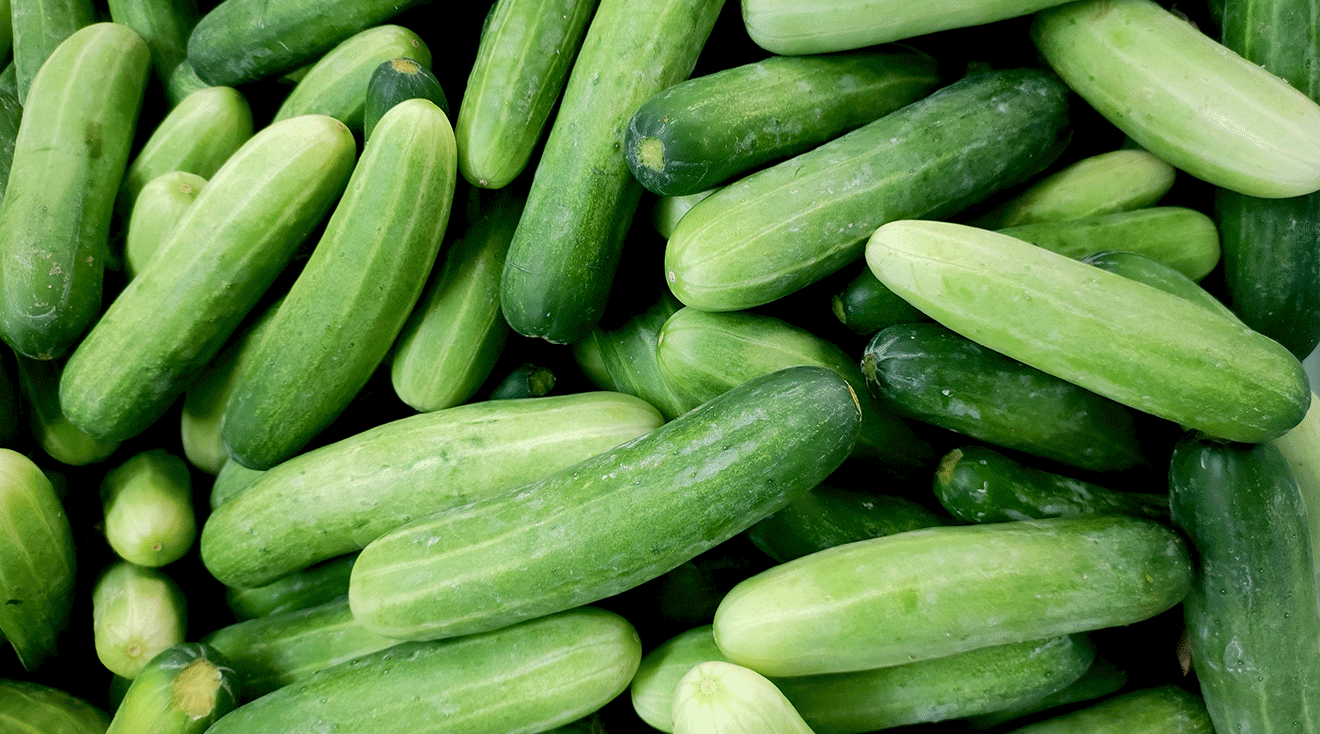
column 232, row 478
column 1185, row 98
column 926, row 372
column 1254, row 609
column 37, row 561
column 11, row 113
column 628, row 361
column 828, row 516
column 1299, row 447
column 38, row 27
column 29, row 706
column 392, row 82
column 787, row 226
column 709, row 130
column 336, row 85
column 182, row 690
column 667, row 210
column 979, row 484
column 69, row 156
column 320, row 584
column 866, row 306
column 176, row 315
column 183, row 81
column 353, row 295
column 524, row 381
column 559, row 542
column 149, row 516
column 1100, row 680
column 61, row 440
column 340, row 497
column 525, row 678
column 1154, row 273
column 158, row 207
column 522, row 62
column 1095, row 329
column 163, row 25
column 951, row 589
column 455, row 334
column 565, row 251
column 1164, row 709
column 717, row 697
column 137, row 612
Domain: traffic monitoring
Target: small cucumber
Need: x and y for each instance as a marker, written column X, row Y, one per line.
column 828, row 516
column 137, row 612
column 527, row 380
column 319, row 584
column 163, row 25
column 392, row 82
column 62, row 441
column 866, row 306
column 30, row 706
column 182, row 690
column 158, row 207
column 718, row 697
column 1165, row 709
column 1183, row 97
column 38, row 27
column 149, row 516
column 1137, row 345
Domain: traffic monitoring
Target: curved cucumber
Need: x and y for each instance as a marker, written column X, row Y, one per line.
column 320, row 584
column 718, row 697
column 394, row 81
column 182, row 690
column 1096, row 329
column 1167, row 709
column 137, row 612
column 158, row 207
column 36, row 707
column 149, row 516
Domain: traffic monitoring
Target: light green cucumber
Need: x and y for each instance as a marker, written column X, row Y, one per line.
column 28, row 706
column 177, row 314
column 136, row 613
column 1135, row 344
column 37, row 561
column 1184, row 97
column 627, row 356
column 340, row 497
column 231, row 479
column 523, row 58
column 62, row 441
column 336, row 85
column 163, row 25
column 69, row 156
column 158, row 207
column 1163, row 709
column 182, row 690
column 320, row 584
column 149, row 516
column 717, row 697
column 38, row 27
column 667, row 210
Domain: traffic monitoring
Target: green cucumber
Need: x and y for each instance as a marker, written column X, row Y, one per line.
column 787, row 226
column 392, row 82
column 352, row 297
column 627, row 357
column 158, row 207
column 182, row 690
column 527, row 380
column 566, row 249
column 667, row 210
column 717, row 697
column 702, row 354
column 866, row 306
column 925, row 371
column 38, row 27
column 340, row 497
column 137, row 612
column 320, row 584
column 163, row 25
column 709, row 130
column 69, row 156
column 1254, row 609
column 7, row 33
column 1154, row 273
column 979, row 484
column 1182, row 96
column 62, row 441
column 183, row 81
column 336, row 85
column 455, row 334
column 232, row 478
column 828, row 516
column 524, row 678
column 523, row 59
column 1137, row 345
column 29, row 706
column 11, row 113
column 1300, row 447
column 177, row 314
column 1164, row 709
column 1099, row 681
column 557, row 543
column 951, row 589
column 37, row 561
column 149, row 516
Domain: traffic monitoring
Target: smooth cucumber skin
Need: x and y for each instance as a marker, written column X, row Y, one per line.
column 182, row 690
column 340, row 497
column 523, row 59
column 628, row 360
column 30, row 706
column 558, row 543
column 717, row 696
column 163, row 25
column 320, row 584
column 394, row 81
column 951, row 589
column 149, row 517
column 137, row 612
column 828, row 516
column 69, row 155
column 158, row 207
column 1154, row 273
column 866, row 306
column 1180, row 95
column 38, row 28
column 1166, row 709
column 566, row 249
column 176, row 315
column 777, row 230
column 525, row 678
column 1135, row 344
column 1254, row 608
column 706, row 131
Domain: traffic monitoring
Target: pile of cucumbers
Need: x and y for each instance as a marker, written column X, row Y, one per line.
column 692, row 366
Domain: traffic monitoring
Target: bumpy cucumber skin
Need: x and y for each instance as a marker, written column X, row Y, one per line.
column 555, row 544
column 69, row 156
column 828, row 516
column 38, row 27
column 137, row 612
column 337, row 498
column 951, row 589
column 1254, row 607
column 1184, row 97
column 527, row 48
column 182, row 690
column 779, row 229
column 311, row 587
column 528, row 677
column 1168, row 709
column 159, row 206
column 176, row 315
column 1137, row 345
column 566, row 249
column 37, row 561
column 394, row 81
column 718, row 696
column 49, row 710
column 716, row 127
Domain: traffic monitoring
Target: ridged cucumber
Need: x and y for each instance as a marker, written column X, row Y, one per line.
column 182, row 690
column 394, row 81
column 149, row 517
column 29, row 706
column 717, row 697
column 137, row 612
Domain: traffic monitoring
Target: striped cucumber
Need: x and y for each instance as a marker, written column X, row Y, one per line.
column 182, row 690
column 158, row 207
column 38, row 27
column 149, row 517
column 137, row 612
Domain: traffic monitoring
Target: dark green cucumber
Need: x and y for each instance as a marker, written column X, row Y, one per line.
column 828, row 516
column 627, row 358
column 137, row 612
column 527, row 380
column 1254, row 609
column 926, row 372
column 29, row 706
column 392, row 82
column 558, row 543
column 149, row 517
column 37, row 561
column 523, row 59
column 1164, row 709
column 60, row 439
column 11, row 113
column 183, row 81
column 69, row 156
column 707, row 131
column 176, row 315
column 1156, row 274
column 182, row 690
column 38, row 27
column 775, row 231
column 165, row 27
column 319, row 584
column 565, row 252
column 866, row 306
column 337, row 498
column 159, row 206
column 10, row 400
column 979, row 484
column 529, row 677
